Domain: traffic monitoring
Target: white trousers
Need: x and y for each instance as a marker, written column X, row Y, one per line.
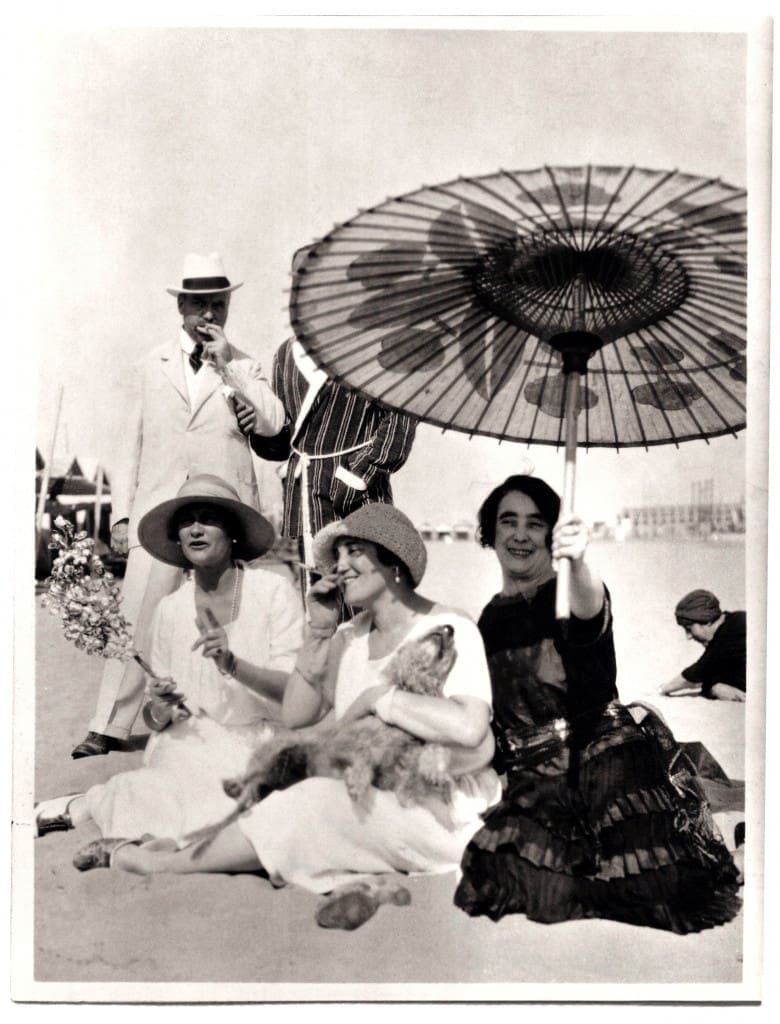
column 121, row 692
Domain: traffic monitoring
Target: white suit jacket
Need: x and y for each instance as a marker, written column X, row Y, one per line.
column 165, row 441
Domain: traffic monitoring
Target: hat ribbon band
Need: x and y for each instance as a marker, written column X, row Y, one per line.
column 203, row 284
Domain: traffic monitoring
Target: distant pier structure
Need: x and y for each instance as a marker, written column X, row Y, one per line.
column 427, row 531
column 703, row 516
column 461, row 530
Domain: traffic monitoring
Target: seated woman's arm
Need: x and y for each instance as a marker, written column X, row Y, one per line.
column 160, row 707
column 282, row 607
column 266, row 682
column 305, row 697
column 309, row 692
column 461, row 721
column 678, row 685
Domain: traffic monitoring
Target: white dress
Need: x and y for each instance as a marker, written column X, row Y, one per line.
column 179, row 787
column 315, row 836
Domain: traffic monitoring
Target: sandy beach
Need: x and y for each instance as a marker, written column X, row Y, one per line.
column 114, row 928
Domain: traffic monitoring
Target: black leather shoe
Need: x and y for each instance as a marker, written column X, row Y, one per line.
column 95, row 743
column 61, row 823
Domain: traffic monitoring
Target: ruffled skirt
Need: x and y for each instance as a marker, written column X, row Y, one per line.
column 618, row 829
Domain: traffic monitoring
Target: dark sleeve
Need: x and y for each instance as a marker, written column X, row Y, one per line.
column 701, row 672
column 718, row 664
column 276, row 448
column 582, row 632
column 588, row 652
column 697, row 672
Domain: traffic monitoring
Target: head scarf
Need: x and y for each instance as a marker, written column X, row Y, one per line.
column 698, row 606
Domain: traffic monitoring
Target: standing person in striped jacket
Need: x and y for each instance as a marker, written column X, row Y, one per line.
column 341, row 449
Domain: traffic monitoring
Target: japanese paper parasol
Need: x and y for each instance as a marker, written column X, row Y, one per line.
column 601, row 306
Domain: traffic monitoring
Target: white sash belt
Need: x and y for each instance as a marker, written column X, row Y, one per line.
column 302, row 470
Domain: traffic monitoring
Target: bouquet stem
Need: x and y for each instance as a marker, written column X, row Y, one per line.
column 176, row 699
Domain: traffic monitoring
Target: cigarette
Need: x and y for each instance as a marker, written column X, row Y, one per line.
column 306, row 567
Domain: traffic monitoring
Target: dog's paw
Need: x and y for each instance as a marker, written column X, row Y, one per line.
column 233, row 787
column 357, row 779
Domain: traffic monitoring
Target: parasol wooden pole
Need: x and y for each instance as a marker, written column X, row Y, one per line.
column 562, row 610
column 571, row 368
column 44, row 491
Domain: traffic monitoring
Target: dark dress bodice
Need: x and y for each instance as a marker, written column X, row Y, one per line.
column 538, row 673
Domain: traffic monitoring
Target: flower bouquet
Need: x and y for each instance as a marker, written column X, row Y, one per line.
column 86, row 597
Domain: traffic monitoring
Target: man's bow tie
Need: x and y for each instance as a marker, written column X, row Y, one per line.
column 196, row 356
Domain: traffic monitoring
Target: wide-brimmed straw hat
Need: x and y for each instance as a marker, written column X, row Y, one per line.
column 203, row 275
column 381, row 524
column 156, row 528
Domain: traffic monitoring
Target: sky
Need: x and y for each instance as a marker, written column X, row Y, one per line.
column 147, row 143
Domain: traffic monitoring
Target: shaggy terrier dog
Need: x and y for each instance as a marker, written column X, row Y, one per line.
column 364, row 752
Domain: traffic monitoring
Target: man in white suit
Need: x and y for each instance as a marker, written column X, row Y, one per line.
column 191, row 400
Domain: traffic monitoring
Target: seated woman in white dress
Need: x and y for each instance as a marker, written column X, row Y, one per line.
column 379, row 561
column 226, row 641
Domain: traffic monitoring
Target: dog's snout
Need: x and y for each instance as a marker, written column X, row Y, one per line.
column 444, row 637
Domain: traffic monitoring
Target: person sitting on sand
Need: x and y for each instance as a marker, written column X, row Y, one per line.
column 379, row 561
column 720, row 672
column 601, row 817
column 225, row 642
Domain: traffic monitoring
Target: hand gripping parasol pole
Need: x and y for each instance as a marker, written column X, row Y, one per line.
column 576, row 347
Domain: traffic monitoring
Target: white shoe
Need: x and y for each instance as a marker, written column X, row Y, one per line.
column 53, row 816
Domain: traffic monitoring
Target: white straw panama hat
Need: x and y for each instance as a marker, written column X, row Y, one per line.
column 382, row 524
column 155, row 530
column 203, row 275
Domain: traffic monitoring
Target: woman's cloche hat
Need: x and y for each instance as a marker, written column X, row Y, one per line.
column 156, row 528
column 381, row 524
column 203, row 275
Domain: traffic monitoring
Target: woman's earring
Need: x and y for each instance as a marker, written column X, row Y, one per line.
column 397, row 574
column 235, row 541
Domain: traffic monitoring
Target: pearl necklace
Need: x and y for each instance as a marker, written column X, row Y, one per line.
column 236, row 588
column 234, row 601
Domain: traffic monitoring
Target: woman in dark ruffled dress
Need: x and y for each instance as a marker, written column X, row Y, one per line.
column 602, row 815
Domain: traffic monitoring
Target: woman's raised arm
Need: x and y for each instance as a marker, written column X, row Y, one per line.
column 304, row 700
column 308, row 694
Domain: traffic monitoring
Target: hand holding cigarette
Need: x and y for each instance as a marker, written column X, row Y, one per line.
column 216, row 348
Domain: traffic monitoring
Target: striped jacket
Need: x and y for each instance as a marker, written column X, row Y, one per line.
column 339, row 419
